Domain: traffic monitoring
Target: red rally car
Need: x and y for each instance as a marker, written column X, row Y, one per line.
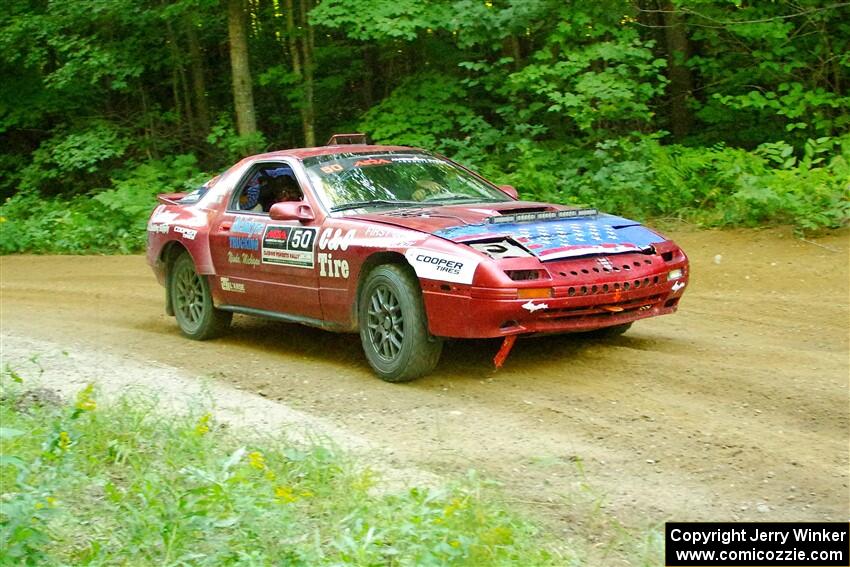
column 405, row 247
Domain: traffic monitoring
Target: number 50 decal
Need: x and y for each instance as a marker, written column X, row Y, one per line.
column 302, row 239
column 289, row 246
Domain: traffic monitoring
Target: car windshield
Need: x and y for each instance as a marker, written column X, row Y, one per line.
column 354, row 181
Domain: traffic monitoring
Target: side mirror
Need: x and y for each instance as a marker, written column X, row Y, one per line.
column 510, row 191
column 292, row 210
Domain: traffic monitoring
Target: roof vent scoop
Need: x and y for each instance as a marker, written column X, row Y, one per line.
column 347, row 139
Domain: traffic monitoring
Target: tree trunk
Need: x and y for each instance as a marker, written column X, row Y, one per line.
column 187, row 102
column 370, row 75
column 681, row 83
column 175, row 93
column 307, row 41
column 292, row 39
column 196, row 61
column 511, row 48
column 243, row 94
column 179, row 86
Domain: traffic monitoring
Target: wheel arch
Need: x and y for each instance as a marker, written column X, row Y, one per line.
column 372, row 262
column 170, row 252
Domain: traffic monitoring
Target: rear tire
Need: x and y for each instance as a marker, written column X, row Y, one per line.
column 192, row 302
column 394, row 327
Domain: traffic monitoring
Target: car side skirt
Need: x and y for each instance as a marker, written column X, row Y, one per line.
column 286, row 318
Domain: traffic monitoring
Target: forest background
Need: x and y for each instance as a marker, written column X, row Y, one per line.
column 716, row 112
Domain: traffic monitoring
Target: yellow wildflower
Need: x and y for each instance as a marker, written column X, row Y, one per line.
column 64, row 440
column 257, row 460
column 365, row 481
column 500, row 535
column 203, row 425
column 85, row 401
column 455, row 505
column 284, row 493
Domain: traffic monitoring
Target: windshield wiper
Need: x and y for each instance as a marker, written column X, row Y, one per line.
column 460, row 198
column 373, row 202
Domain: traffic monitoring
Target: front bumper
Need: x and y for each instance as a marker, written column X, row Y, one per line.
column 580, row 305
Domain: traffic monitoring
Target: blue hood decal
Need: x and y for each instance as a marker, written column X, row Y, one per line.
column 563, row 238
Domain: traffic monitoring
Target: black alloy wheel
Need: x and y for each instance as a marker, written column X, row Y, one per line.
column 394, row 326
column 192, row 302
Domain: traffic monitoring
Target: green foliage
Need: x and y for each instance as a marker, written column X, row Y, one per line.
column 403, row 19
column 719, row 186
column 86, row 483
column 422, row 112
column 596, row 86
column 233, row 146
column 808, row 110
column 66, row 162
column 134, row 193
column 570, row 101
column 769, row 69
column 111, row 220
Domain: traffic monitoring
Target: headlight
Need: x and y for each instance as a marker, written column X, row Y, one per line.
column 525, row 275
column 674, row 274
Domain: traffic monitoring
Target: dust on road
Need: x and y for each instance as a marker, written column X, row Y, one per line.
column 734, row 408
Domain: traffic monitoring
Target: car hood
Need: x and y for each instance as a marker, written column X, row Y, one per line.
column 547, row 239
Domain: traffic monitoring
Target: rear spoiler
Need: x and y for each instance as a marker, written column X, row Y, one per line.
column 347, row 139
column 170, row 198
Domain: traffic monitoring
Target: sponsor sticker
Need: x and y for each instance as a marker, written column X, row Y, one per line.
column 505, row 248
column 331, row 240
column 330, row 267
column 188, row 233
column 228, row 285
column 334, row 239
column 415, row 159
column 289, row 246
column 372, row 161
column 243, row 243
column 440, row 266
column 532, row 307
column 332, row 168
column 157, row 228
column 246, row 226
column 242, row 258
column 377, row 232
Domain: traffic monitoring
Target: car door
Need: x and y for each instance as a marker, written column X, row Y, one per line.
column 264, row 264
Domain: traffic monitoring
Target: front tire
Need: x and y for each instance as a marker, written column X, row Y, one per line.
column 192, row 302
column 394, row 327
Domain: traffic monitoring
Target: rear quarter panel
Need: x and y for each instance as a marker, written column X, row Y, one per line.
column 187, row 226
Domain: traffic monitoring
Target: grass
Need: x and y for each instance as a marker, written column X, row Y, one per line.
column 123, row 483
column 589, row 528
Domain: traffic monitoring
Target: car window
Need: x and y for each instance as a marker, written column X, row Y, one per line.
column 345, row 180
column 194, row 196
column 264, row 186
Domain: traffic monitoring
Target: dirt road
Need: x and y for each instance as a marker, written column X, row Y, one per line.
column 734, row 408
